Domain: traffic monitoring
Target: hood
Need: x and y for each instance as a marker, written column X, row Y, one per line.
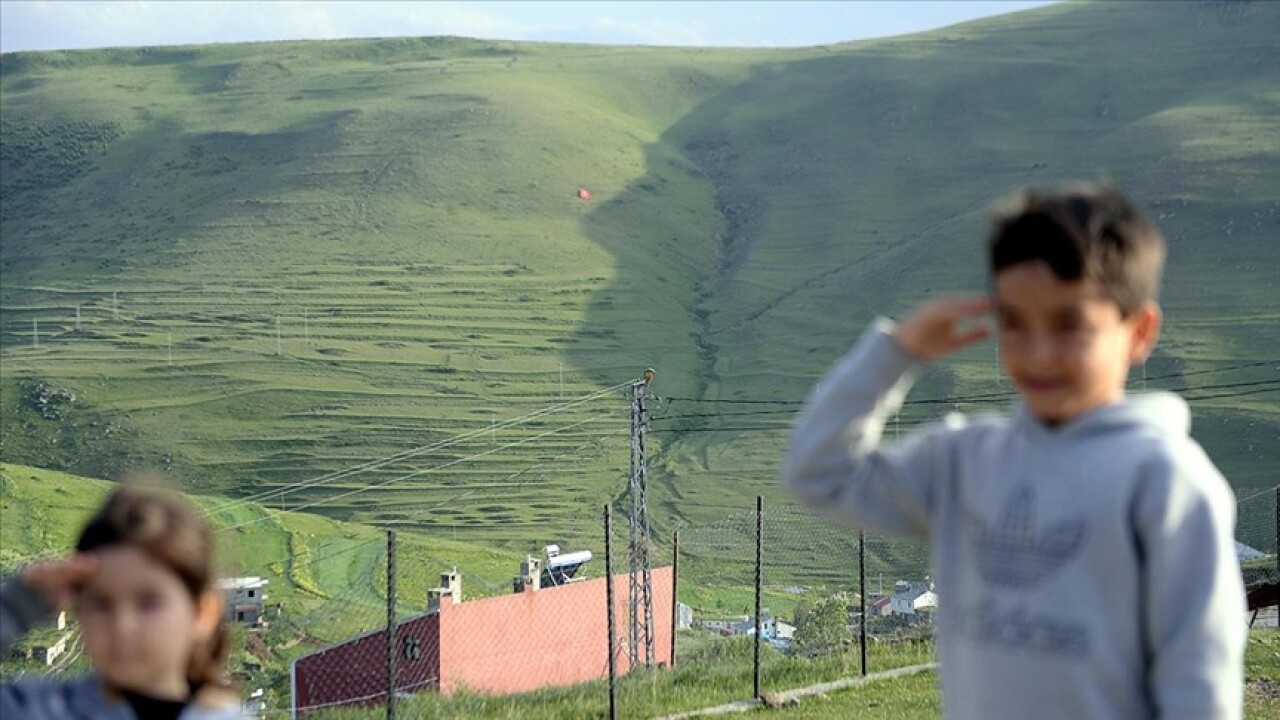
column 1162, row 411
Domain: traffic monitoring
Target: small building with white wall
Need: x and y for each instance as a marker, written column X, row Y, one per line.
column 245, row 597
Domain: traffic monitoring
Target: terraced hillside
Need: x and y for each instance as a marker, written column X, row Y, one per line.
column 256, row 265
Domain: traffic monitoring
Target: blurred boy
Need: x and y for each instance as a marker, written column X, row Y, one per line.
column 1084, row 550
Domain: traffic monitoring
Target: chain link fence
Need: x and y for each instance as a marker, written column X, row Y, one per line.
column 1258, row 546
column 764, row 600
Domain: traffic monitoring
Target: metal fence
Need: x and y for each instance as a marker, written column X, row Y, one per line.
column 765, row 600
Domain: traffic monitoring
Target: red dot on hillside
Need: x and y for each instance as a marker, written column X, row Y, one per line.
column 584, row 194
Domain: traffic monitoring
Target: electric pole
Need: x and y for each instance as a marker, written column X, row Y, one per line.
column 641, row 580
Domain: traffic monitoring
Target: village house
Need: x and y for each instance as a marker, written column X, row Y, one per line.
column 245, row 598
column 724, row 626
column 771, row 628
column 45, row 646
column 913, row 601
column 684, row 616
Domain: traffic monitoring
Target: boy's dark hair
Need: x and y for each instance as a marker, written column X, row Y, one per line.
column 1090, row 232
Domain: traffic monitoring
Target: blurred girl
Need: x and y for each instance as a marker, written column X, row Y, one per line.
column 141, row 585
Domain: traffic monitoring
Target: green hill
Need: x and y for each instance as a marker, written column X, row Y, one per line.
column 329, row 576
column 309, row 560
column 294, row 258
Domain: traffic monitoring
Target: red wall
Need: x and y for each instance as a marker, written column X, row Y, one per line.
column 507, row 644
column 554, row 636
column 355, row 672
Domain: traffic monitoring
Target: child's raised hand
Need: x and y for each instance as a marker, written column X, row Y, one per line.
column 58, row 580
column 938, row 328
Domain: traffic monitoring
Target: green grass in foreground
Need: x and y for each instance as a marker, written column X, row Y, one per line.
column 720, row 672
column 917, row 696
column 709, row 672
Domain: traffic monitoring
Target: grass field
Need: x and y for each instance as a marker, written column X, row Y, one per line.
column 254, row 265
column 917, row 697
column 690, row 686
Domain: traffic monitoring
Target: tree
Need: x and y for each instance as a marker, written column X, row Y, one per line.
column 801, row 613
column 823, row 630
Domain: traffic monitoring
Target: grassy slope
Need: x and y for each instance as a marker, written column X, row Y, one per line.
column 330, row 575
column 858, row 183
column 413, row 199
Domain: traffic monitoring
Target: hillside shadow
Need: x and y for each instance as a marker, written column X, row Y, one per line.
column 855, row 184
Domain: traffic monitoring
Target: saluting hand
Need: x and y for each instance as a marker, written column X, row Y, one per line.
column 58, row 580
column 941, row 327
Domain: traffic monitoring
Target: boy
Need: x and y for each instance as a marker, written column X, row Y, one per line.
column 1083, row 547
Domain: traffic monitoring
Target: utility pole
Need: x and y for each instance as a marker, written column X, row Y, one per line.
column 279, row 347
column 115, row 306
column 641, row 580
column 170, row 348
column 77, row 318
column 862, row 600
column 35, row 333
column 391, row 625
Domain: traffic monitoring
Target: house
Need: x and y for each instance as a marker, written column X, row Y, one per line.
column 44, row 646
column 722, row 626
column 1244, row 552
column 780, row 630
column 684, row 616
column 245, row 597
column 771, row 628
column 878, row 606
column 255, row 706
column 912, row 599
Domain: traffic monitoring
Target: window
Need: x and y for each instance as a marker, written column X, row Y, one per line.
column 250, row 593
column 412, row 648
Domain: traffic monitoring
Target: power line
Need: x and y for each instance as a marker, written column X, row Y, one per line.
column 406, row 454
column 980, row 396
column 1008, row 394
column 273, row 514
column 266, row 565
column 914, row 423
column 1259, row 494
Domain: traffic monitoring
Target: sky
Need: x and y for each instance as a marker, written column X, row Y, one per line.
column 62, row 24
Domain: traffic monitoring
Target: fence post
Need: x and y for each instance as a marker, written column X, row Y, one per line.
column 391, row 625
column 759, row 587
column 608, row 591
column 862, row 598
column 675, row 593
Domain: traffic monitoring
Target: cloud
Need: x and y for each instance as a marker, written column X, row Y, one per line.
column 651, row 31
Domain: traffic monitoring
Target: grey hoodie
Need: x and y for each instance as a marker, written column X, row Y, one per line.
column 81, row 699
column 1083, row 571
